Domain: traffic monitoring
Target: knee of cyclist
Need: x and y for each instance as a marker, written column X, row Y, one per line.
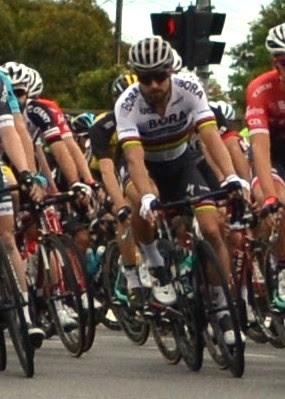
column 212, row 232
column 8, row 240
column 82, row 239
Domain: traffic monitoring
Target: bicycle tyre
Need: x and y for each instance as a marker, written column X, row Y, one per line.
column 137, row 330
column 3, row 351
column 52, row 246
column 206, row 257
column 185, row 326
column 12, row 304
column 169, row 350
column 277, row 329
column 79, row 268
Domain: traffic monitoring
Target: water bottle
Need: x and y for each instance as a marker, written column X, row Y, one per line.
column 94, row 260
column 185, row 272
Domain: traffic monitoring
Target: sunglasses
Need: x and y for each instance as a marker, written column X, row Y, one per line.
column 20, row 92
column 147, row 79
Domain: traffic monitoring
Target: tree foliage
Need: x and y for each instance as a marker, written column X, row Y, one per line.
column 251, row 58
column 70, row 42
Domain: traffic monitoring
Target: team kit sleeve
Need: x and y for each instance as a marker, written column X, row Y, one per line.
column 11, row 98
column 127, row 131
column 256, row 113
column 43, row 119
column 100, row 135
column 6, row 118
column 203, row 116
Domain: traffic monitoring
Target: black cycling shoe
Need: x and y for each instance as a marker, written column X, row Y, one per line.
column 160, row 274
column 137, row 298
column 36, row 335
column 255, row 333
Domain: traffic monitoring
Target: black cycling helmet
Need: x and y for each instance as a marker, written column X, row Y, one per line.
column 82, row 122
column 122, row 82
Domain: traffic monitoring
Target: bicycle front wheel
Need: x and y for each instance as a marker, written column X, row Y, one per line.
column 64, row 294
column 79, row 268
column 12, row 304
column 208, row 265
column 136, row 329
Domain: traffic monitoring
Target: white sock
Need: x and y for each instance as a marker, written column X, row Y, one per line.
column 26, row 308
column 132, row 277
column 152, row 255
column 249, row 309
column 219, row 300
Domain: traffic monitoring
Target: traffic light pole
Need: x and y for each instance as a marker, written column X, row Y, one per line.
column 203, row 71
column 118, row 31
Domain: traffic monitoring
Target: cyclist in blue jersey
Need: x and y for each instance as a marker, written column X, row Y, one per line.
column 18, row 118
column 12, row 145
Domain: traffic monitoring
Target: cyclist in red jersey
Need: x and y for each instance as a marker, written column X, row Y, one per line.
column 265, row 118
column 35, row 91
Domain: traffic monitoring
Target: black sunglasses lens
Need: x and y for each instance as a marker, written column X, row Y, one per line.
column 157, row 77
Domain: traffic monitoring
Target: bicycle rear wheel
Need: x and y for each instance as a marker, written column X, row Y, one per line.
column 79, row 268
column 207, row 264
column 12, row 304
column 136, row 329
column 55, row 260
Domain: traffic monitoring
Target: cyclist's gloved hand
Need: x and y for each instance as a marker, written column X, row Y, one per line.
column 82, row 188
column 95, row 186
column 28, row 182
column 235, row 183
column 26, row 179
column 270, row 206
column 147, row 203
column 41, row 180
column 123, row 213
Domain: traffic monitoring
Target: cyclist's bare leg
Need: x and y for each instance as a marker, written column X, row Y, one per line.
column 267, row 224
column 210, row 224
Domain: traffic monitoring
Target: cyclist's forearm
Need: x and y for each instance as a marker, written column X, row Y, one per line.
column 262, row 163
column 26, row 141
column 64, row 161
column 44, row 166
column 137, row 170
column 218, row 151
column 79, row 159
column 239, row 160
column 13, row 147
column 111, row 183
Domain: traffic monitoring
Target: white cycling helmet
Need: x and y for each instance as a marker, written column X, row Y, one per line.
column 186, row 74
column 19, row 75
column 177, row 61
column 151, row 54
column 36, row 84
column 226, row 109
column 275, row 41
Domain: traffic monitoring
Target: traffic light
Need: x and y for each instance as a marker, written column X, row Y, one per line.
column 189, row 33
column 169, row 25
column 199, row 26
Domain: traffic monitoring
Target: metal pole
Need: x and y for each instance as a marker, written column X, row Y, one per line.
column 203, row 71
column 118, row 31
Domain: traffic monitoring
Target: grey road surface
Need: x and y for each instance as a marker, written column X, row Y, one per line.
column 117, row 369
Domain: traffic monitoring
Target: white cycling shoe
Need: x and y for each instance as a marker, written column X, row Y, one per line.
column 66, row 321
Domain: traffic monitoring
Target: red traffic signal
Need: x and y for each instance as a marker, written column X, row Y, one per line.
column 171, row 26
column 167, row 25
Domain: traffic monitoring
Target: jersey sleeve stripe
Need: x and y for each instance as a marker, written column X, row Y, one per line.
column 252, row 132
column 204, row 123
column 130, row 143
column 6, row 120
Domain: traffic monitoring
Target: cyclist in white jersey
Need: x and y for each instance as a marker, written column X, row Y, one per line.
column 154, row 118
